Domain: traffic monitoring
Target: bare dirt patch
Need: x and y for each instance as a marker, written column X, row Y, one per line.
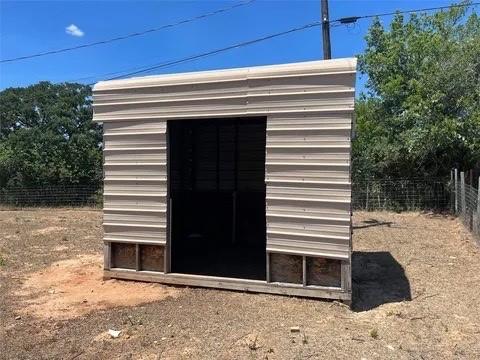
column 416, row 290
column 48, row 230
column 72, row 288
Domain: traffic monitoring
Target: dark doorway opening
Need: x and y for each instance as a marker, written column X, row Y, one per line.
column 217, row 190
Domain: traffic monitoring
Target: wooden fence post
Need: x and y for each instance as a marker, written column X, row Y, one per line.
column 456, row 191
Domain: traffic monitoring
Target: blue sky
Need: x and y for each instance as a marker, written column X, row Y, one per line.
column 31, row 27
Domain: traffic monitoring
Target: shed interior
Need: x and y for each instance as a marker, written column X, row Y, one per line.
column 217, row 192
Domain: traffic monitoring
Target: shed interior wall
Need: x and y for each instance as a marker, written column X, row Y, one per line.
column 217, row 191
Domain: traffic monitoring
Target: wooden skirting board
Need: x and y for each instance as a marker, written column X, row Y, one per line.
column 256, row 286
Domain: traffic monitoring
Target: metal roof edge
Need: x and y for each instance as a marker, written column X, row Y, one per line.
column 316, row 67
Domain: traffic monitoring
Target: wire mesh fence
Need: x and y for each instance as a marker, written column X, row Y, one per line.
column 453, row 195
column 368, row 194
column 466, row 203
column 61, row 195
column 401, row 194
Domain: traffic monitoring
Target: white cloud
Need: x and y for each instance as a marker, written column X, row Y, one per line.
column 74, row 30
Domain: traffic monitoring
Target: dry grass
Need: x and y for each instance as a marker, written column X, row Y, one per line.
column 416, row 287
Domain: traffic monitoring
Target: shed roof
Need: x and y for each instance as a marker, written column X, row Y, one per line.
column 347, row 65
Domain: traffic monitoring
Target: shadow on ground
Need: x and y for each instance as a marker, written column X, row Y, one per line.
column 372, row 223
column 377, row 279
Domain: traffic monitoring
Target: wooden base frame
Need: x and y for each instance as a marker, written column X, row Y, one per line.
column 275, row 283
column 255, row 286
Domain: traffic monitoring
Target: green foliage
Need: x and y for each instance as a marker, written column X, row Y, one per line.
column 421, row 115
column 419, row 118
column 47, row 136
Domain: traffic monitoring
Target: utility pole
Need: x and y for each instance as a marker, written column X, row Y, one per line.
column 327, row 51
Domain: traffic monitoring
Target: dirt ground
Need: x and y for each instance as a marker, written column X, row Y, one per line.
column 416, row 281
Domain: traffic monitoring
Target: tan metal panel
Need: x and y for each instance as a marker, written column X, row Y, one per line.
column 135, row 186
column 296, row 173
column 313, row 82
column 139, row 187
column 304, row 69
column 309, row 193
column 317, row 86
column 135, row 155
column 142, row 204
column 308, row 185
column 138, row 127
column 177, row 92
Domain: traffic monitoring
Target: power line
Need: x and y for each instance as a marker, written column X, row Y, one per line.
column 127, row 36
column 340, row 21
column 118, row 72
column 213, row 52
column 352, row 19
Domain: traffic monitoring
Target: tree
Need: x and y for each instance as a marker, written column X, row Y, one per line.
column 47, row 136
column 421, row 113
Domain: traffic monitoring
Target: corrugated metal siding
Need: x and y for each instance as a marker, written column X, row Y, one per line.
column 308, row 184
column 135, row 184
column 308, row 108
column 318, row 86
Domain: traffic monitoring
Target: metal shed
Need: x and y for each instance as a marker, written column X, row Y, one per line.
column 235, row 179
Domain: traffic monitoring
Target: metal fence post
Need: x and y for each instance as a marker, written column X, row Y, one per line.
column 462, row 194
column 451, row 186
column 477, row 230
column 366, row 203
column 456, row 191
column 478, row 197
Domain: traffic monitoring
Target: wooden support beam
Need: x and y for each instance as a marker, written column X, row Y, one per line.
column 304, row 268
column 256, row 286
column 346, row 276
column 107, row 256
column 138, row 264
column 267, row 275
